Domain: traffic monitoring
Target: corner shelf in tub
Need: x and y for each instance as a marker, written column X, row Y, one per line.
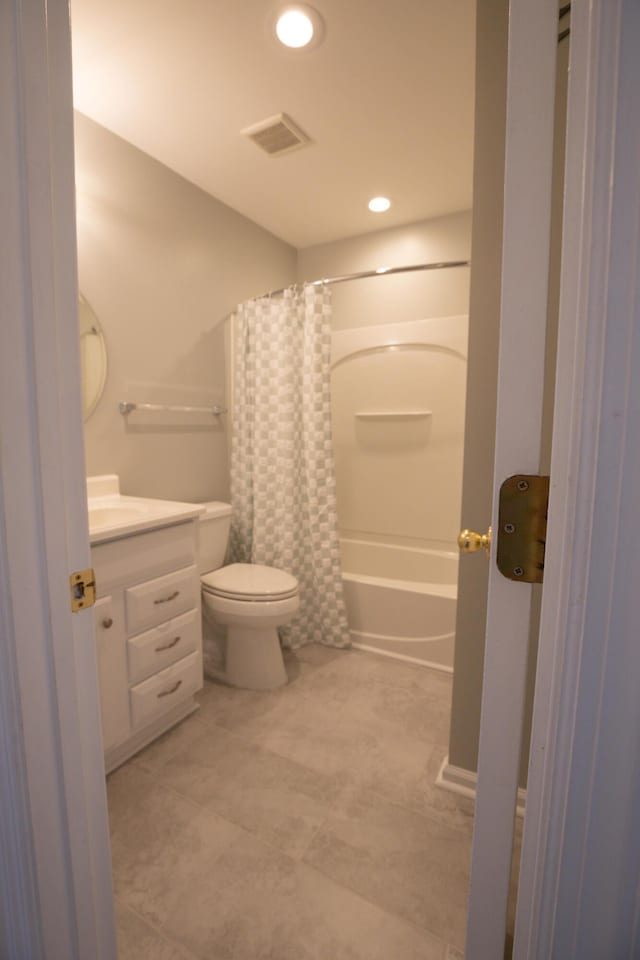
column 393, row 414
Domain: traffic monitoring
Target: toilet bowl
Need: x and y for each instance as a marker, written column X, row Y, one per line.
column 250, row 601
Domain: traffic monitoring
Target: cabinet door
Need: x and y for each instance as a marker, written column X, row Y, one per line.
column 112, row 669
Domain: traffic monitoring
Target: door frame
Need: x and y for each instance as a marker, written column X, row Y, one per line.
column 580, row 857
column 524, row 297
column 55, row 867
column 56, row 878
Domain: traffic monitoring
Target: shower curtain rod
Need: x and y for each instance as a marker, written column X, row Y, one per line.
column 380, row 272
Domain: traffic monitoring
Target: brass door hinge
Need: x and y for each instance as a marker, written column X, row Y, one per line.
column 522, row 527
column 82, row 586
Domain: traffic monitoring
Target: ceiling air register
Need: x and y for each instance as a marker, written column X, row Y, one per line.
column 277, row 135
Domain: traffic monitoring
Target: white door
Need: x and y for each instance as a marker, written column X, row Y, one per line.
column 525, row 269
column 55, row 877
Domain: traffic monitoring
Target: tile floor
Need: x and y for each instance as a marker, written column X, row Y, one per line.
column 300, row 824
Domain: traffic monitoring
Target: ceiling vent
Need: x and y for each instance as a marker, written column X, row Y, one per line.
column 277, row 135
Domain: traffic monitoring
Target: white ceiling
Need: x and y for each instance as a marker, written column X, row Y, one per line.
column 387, row 99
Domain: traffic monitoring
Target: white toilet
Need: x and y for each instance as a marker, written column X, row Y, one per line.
column 249, row 599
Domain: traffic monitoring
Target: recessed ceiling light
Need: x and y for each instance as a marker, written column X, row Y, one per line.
column 298, row 25
column 379, row 204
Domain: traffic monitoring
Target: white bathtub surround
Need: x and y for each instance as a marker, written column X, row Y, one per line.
column 282, row 469
column 398, row 422
column 398, row 392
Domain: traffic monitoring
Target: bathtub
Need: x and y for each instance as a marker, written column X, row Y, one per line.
column 401, row 600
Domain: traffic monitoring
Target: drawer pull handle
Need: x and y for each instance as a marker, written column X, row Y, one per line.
column 168, row 646
column 166, row 693
column 107, row 622
column 171, row 596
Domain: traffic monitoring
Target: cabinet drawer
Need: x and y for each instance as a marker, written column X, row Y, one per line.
column 161, row 599
column 155, row 649
column 165, row 689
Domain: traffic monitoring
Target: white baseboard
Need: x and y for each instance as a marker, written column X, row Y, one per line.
column 463, row 782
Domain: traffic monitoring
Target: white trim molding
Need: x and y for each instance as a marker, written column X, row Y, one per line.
column 20, row 929
column 53, row 817
column 580, row 867
column 463, row 782
column 526, row 236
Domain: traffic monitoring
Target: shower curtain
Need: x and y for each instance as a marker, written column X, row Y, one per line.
column 282, row 469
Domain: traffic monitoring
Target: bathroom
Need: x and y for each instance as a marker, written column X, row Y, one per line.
column 324, row 791
column 581, row 832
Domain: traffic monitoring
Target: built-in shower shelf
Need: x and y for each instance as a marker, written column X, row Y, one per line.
column 393, row 414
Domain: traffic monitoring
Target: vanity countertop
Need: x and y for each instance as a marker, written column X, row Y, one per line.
column 112, row 515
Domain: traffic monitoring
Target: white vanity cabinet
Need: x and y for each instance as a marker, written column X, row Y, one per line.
column 148, row 633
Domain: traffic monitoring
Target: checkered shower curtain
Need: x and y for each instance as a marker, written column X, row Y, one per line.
column 282, row 469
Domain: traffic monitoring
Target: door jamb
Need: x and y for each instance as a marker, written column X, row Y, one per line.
column 581, row 779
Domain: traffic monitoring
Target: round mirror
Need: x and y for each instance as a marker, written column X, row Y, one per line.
column 93, row 357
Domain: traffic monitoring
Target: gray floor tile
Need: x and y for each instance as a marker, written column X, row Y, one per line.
column 291, row 912
column 454, row 954
column 390, row 759
column 210, row 822
column 230, row 706
column 171, row 742
column 393, row 708
column 310, row 732
column 407, row 864
column 390, row 737
column 436, row 802
column 365, row 668
column 243, row 711
column 139, row 941
column 279, row 800
column 326, row 682
column 159, row 841
column 315, row 655
column 221, row 704
column 341, row 677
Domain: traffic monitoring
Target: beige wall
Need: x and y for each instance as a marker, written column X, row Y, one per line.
column 483, row 367
column 162, row 264
column 484, row 311
column 401, row 297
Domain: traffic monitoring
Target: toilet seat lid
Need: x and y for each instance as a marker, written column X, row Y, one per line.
column 250, row 580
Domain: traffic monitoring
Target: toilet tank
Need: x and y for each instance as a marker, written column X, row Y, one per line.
column 213, row 535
